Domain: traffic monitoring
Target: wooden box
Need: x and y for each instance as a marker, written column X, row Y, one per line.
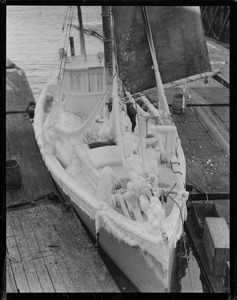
column 216, row 243
column 199, row 212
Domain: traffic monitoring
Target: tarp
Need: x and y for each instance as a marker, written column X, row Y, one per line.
column 179, row 41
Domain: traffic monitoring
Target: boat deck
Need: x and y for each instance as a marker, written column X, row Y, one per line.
column 48, row 249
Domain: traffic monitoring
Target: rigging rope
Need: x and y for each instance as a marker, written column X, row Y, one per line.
column 59, row 43
column 183, row 234
column 68, row 30
column 67, row 43
column 65, row 17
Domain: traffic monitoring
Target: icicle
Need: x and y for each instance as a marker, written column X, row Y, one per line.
column 98, row 223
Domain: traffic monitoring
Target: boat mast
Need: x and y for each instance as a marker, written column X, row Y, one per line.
column 160, row 89
column 107, row 39
column 82, row 38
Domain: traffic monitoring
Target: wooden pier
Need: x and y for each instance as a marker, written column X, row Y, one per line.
column 48, row 249
column 204, row 133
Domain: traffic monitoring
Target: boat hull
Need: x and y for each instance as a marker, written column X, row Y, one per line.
column 144, row 270
column 145, row 273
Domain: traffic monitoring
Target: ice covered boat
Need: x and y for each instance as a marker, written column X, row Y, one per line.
column 116, row 157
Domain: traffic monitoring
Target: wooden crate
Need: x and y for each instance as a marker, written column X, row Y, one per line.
column 216, row 243
column 199, row 212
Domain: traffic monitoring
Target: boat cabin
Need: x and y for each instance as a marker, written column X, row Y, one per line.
column 83, row 84
column 83, row 76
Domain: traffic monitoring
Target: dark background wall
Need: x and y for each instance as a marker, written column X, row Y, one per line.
column 216, row 22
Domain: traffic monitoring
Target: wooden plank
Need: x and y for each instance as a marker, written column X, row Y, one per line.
column 66, row 277
column 13, row 251
column 43, row 275
column 54, row 243
column 212, row 92
column 10, row 280
column 39, row 230
column 20, row 278
column 80, row 270
column 9, row 231
column 32, row 277
column 223, row 208
column 31, row 187
column 216, row 130
column 219, row 57
column 13, row 146
column 55, row 275
column 222, row 112
column 216, row 243
column 87, row 250
column 14, row 196
column 31, row 241
column 88, row 257
column 19, row 237
column 84, row 280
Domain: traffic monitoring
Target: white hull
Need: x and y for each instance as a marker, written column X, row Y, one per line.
column 140, row 261
column 130, row 260
column 142, row 250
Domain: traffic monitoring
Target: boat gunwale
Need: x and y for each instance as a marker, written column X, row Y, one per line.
column 87, row 199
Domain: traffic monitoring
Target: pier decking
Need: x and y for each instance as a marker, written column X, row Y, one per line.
column 204, row 133
column 48, row 249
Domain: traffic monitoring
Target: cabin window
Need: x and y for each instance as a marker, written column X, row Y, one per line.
column 99, row 77
column 95, row 82
column 72, row 80
column 75, row 82
column 92, row 82
column 78, row 82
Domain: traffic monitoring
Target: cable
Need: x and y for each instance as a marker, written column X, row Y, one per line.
column 185, row 249
column 210, row 27
column 60, row 41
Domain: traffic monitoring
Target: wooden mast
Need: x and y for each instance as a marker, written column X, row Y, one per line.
column 108, row 48
column 82, row 38
column 160, row 89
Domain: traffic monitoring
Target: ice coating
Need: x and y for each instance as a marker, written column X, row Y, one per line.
column 143, row 222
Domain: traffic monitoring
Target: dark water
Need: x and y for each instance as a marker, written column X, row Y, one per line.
column 33, row 40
